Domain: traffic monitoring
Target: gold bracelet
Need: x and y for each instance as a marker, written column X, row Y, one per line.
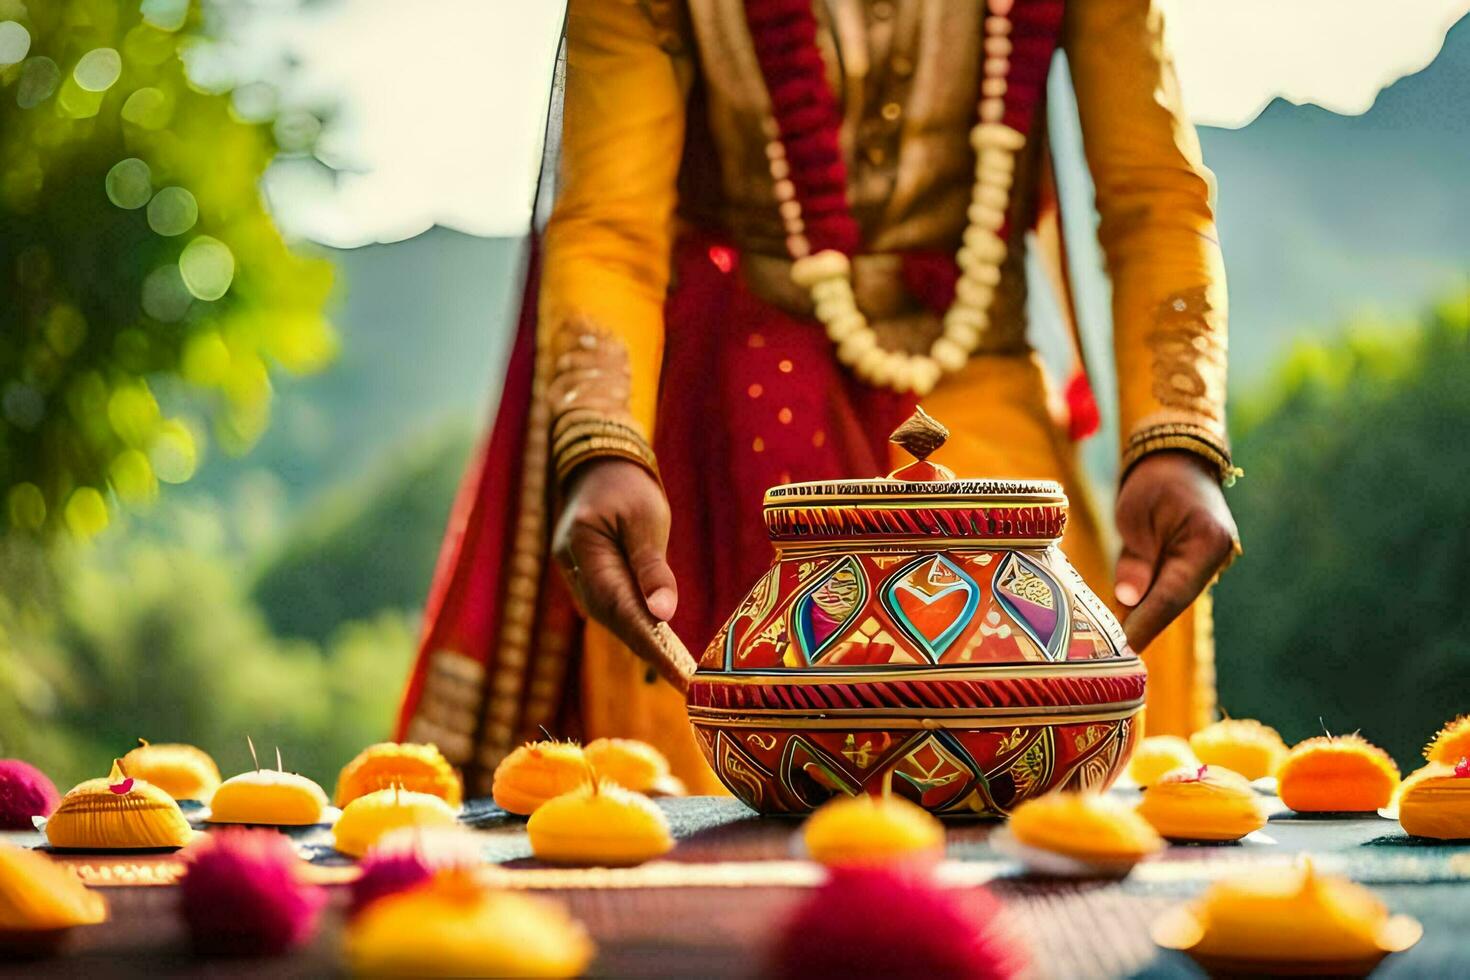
column 576, row 440
column 604, row 449
column 1181, row 436
column 592, row 430
column 583, row 436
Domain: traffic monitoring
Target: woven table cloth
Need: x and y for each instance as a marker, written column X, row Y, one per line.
column 710, row 907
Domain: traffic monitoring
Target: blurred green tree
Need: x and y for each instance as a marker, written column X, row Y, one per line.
column 145, row 287
column 367, row 545
column 156, row 637
column 1349, row 608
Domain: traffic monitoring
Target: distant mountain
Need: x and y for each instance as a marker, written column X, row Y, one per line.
column 1325, row 217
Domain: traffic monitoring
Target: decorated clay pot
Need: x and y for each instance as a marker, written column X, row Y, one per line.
column 921, row 635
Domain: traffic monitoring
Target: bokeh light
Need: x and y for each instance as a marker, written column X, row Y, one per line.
column 27, row 506
column 134, row 413
column 148, row 47
column 86, row 512
column 98, row 70
column 255, row 102
column 206, row 360
column 173, row 453
column 296, row 131
column 65, row 329
column 38, row 80
column 172, row 211
column 149, row 108
column 165, row 297
column 206, row 68
column 15, row 41
column 132, row 478
column 208, row 267
column 129, row 183
column 166, row 15
column 22, row 405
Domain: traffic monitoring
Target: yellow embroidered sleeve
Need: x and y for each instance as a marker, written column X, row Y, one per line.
column 1157, row 228
column 607, row 245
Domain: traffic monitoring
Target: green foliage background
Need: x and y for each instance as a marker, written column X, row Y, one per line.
column 1349, row 608
column 148, row 299
column 147, row 292
column 154, row 635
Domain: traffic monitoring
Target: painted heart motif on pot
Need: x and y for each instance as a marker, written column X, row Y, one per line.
column 932, row 599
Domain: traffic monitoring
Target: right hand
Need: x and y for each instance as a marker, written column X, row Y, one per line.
column 611, row 542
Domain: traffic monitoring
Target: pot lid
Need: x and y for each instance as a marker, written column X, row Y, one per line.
column 921, row 500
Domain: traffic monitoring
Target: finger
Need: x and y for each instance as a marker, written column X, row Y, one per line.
column 613, row 598
column 1181, row 577
column 1133, row 577
column 567, row 563
column 654, row 576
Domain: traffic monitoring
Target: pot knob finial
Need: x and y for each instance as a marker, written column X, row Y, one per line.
column 919, row 435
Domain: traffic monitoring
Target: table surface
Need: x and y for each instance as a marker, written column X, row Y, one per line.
column 708, row 909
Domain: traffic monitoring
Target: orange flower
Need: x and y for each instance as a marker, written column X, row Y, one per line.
column 450, row 926
column 270, row 797
column 1333, row 773
column 1286, row 917
column 117, row 813
column 374, row 815
column 1085, row 827
column 182, row 771
column 1157, row 755
column 872, row 830
column 1207, row 803
column 536, row 772
column 1451, row 743
column 1241, row 745
column 39, row 894
column 601, row 824
column 628, row 762
column 1434, row 801
column 406, row 765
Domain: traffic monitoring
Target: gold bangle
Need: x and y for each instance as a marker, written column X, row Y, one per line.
column 593, row 430
column 583, row 416
column 1181, row 436
column 601, row 440
column 588, row 436
column 566, row 464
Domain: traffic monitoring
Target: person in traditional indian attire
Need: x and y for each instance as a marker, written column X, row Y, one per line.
column 778, row 225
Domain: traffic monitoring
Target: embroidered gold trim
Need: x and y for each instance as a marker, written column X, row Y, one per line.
column 502, row 705
column 1188, row 354
column 589, row 394
column 448, row 709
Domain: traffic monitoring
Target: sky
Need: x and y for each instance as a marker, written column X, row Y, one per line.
column 438, row 107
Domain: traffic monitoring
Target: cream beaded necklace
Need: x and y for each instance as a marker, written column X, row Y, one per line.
column 826, row 272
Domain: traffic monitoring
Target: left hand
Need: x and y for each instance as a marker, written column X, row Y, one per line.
column 1177, row 534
